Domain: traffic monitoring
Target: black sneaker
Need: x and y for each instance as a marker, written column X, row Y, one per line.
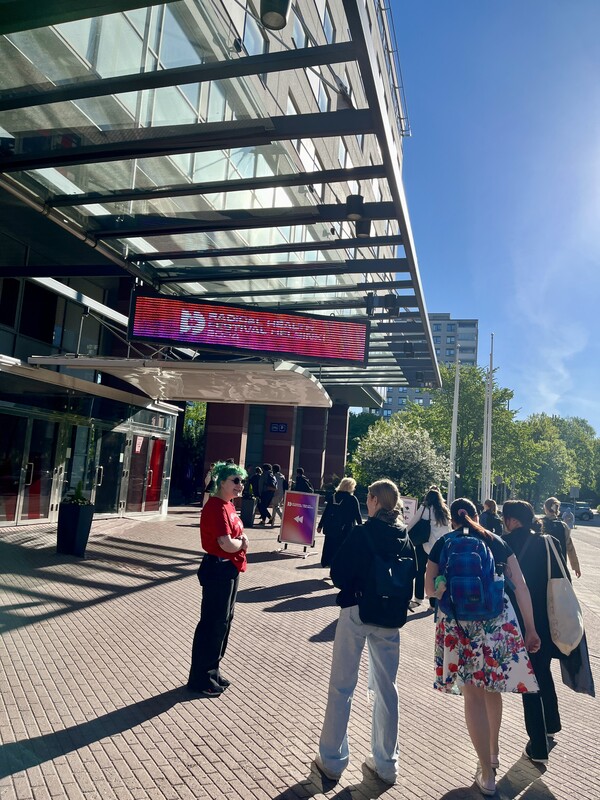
column 528, row 754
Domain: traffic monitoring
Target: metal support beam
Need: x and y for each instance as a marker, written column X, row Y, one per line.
column 40, row 94
column 261, row 272
column 63, row 271
column 270, row 249
column 21, row 16
column 113, row 145
column 286, row 292
column 119, row 226
column 218, row 187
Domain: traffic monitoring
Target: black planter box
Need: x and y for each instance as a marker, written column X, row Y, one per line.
column 74, row 524
column 247, row 511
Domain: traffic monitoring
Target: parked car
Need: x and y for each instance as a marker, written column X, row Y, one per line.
column 581, row 511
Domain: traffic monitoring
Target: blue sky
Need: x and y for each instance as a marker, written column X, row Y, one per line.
column 502, row 175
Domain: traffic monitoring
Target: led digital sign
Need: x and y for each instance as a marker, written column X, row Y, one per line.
column 213, row 326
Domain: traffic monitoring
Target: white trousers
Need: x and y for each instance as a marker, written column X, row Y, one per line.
column 384, row 654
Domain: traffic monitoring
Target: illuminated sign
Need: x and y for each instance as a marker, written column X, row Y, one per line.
column 212, row 326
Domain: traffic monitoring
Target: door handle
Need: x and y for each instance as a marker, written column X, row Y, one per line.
column 99, row 476
column 29, row 473
column 150, row 477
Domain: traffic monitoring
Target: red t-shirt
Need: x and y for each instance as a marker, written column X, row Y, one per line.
column 219, row 518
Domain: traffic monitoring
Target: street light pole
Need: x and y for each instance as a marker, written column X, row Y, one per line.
column 486, row 464
column 454, row 431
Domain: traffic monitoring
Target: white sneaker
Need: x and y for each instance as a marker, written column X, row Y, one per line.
column 389, row 779
column 329, row 773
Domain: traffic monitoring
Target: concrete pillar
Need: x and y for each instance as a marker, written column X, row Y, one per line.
column 279, row 436
column 311, row 452
column 226, row 432
column 336, row 442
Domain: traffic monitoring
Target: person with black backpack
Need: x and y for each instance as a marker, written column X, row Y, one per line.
column 374, row 570
column 479, row 648
column 489, row 518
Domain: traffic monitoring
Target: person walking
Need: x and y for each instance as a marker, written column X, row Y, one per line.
column 553, row 525
column 282, row 487
column 481, row 658
column 341, row 514
column 489, row 518
column 223, row 538
column 267, row 486
column 302, row 484
column 522, row 532
column 383, row 533
column 434, row 509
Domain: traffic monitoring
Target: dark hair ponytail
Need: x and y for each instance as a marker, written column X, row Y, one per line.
column 463, row 513
column 523, row 512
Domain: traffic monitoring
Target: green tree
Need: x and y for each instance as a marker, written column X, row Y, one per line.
column 580, row 440
column 358, row 425
column 391, row 449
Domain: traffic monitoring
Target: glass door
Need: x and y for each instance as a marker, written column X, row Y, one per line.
column 39, row 470
column 146, row 468
column 155, row 474
column 13, row 431
column 110, row 453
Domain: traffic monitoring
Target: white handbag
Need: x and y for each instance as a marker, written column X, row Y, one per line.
column 564, row 611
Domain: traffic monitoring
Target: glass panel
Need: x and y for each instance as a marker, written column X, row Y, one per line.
column 109, row 472
column 155, row 475
column 79, row 464
column 137, row 473
column 39, row 470
column 12, row 442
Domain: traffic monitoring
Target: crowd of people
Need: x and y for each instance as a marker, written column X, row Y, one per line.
column 496, row 642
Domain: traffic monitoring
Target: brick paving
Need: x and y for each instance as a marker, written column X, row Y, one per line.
column 95, row 653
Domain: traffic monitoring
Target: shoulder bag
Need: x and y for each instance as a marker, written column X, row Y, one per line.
column 421, row 530
column 564, row 611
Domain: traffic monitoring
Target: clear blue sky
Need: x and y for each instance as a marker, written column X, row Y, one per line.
column 502, row 176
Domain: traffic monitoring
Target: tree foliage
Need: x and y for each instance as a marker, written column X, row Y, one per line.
column 391, row 449
column 358, row 425
column 532, row 458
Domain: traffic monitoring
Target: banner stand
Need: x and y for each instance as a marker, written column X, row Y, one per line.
column 299, row 521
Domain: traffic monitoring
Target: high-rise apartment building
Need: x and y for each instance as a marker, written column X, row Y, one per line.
column 448, row 336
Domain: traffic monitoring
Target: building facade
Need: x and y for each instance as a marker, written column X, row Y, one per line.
column 449, row 336
column 188, row 150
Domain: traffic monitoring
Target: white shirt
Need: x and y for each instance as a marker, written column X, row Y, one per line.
column 436, row 530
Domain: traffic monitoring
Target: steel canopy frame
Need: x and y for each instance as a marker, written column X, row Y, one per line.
column 100, row 146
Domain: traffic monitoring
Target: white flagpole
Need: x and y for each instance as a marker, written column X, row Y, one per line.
column 454, row 432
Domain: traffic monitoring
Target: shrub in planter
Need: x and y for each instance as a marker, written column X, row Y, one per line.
column 75, row 515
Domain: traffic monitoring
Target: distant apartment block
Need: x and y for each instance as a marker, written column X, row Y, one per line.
column 448, row 334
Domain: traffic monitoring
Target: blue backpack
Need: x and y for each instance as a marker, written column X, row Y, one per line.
column 473, row 590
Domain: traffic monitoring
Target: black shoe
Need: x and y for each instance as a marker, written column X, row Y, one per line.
column 212, row 692
column 223, row 682
column 528, row 753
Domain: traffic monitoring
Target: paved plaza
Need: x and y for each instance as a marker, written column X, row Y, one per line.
column 95, row 653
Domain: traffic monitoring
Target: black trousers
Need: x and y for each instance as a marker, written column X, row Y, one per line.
column 420, row 576
column 219, row 580
column 264, row 502
column 541, row 710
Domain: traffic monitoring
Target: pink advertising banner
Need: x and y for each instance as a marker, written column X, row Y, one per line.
column 213, row 326
column 299, row 521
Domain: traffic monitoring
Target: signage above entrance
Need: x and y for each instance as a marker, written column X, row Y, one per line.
column 215, row 326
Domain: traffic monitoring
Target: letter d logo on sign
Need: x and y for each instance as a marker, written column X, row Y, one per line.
column 191, row 322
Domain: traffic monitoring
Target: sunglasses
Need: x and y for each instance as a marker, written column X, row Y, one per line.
column 237, row 480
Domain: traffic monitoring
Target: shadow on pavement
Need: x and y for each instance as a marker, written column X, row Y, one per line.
column 26, row 753
column 283, row 591
column 368, row 789
column 326, row 635
column 304, row 603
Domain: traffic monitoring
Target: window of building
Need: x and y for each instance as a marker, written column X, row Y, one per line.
column 437, row 351
column 387, row 412
column 402, row 401
column 402, row 389
column 437, row 339
column 450, row 339
column 419, row 401
column 450, row 351
column 328, row 26
column 255, row 41
column 466, row 337
column 39, row 324
column 451, row 327
column 436, row 326
column 342, row 153
column 9, row 297
column 299, row 36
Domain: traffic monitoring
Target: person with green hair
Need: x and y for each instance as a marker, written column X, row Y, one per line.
column 223, row 538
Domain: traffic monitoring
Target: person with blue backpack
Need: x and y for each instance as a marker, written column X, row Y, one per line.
column 480, row 651
column 375, row 569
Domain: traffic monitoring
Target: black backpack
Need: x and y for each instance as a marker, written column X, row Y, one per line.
column 388, row 586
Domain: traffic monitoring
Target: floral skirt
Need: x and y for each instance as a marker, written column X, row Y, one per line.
column 492, row 654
